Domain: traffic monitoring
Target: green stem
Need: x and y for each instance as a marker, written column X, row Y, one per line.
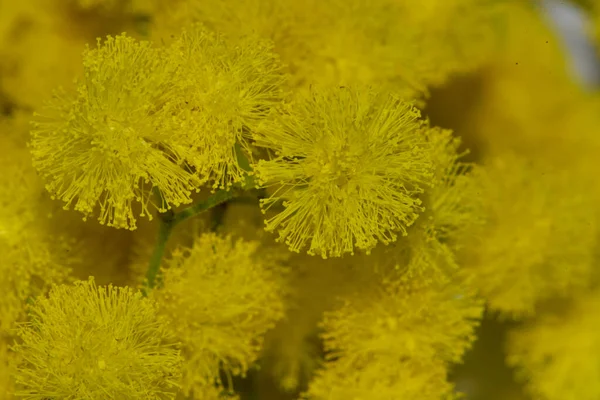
column 214, row 200
column 170, row 220
column 164, row 232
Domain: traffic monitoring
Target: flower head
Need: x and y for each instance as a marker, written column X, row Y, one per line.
column 403, row 317
column 108, row 145
column 452, row 204
column 91, row 342
column 394, row 339
column 385, row 378
column 221, row 297
column 223, row 89
column 350, row 165
column 536, row 239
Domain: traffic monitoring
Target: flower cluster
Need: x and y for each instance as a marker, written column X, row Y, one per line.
column 322, row 200
column 148, row 118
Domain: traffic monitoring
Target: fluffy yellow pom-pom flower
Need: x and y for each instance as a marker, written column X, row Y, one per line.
column 406, row 318
column 386, row 378
column 89, row 342
column 537, row 238
column 108, row 145
column 350, row 164
column 221, row 297
column 394, row 338
column 223, row 90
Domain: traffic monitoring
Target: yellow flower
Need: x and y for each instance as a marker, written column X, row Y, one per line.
column 357, row 41
column 452, row 204
column 558, row 354
column 107, row 146
column 405, row 318
column 394, row 338
column 89, row 342
column 538, row 236
column 223, row 90
column 383, row 378
column 350, row 166
column 220, row 297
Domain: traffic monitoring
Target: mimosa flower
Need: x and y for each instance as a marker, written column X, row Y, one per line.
column 350, row 165
column 538, row 236
column 33, row 256
column 404, row 317
column 90, row 342
column 221, row 297
column 108, row 145
column 384, row 378
column 222, row 90
column 394, row 338
column 452, row 204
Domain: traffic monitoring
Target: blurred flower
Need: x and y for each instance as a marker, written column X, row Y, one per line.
column 358, row 41
column 33, row 256
column 220, row 297
column 537, row 239
column 405, row 318
column 557, row 354
column 394, row 338
column 385, row 378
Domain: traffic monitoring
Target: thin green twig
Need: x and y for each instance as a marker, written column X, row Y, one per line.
column 214, row 200
column 169, row 220
column 164, row 232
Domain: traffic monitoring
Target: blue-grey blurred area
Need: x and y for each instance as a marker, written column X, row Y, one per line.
column 572, row 24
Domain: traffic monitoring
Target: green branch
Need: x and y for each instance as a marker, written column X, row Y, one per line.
column 169, row 220
column 164, row 232
column 214, row 200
